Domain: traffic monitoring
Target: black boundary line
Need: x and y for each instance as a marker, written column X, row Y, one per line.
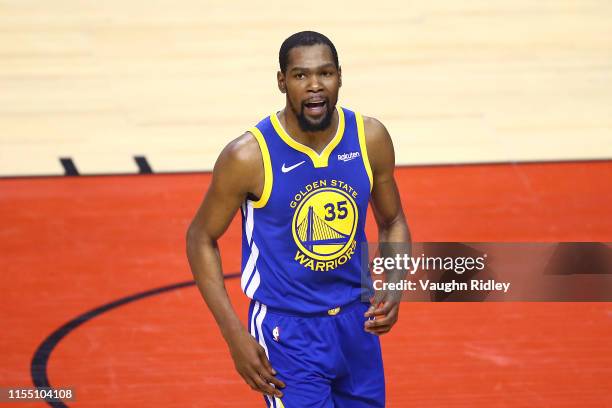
column 40, row 359
column 69, row 167
column 194, row 172
column 143, row 165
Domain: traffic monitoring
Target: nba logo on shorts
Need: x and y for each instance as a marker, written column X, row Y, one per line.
column 276, row 333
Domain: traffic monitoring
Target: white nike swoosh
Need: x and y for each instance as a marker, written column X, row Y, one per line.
column 288, row 169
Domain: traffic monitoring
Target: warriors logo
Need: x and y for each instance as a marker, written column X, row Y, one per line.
column 324, row 225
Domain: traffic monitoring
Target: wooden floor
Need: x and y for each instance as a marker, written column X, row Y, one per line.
column 455, row 82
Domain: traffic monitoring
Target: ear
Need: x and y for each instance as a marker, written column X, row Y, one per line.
column 280, row 79
column 339, row 77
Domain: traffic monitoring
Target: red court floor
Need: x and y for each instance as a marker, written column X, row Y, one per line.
column 70, row 245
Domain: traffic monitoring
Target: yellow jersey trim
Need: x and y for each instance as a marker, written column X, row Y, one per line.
column 267, row 162
column 364, row 149
column 279, row 403
column 333, row 312
column 318, row 160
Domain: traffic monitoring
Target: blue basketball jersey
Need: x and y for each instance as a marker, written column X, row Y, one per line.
column 302, row 239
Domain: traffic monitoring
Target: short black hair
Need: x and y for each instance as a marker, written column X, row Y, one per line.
column 304, row 38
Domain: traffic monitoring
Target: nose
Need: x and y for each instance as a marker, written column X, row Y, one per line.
column 314, row 85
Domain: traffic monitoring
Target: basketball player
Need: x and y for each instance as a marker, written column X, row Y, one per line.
column 303, row 178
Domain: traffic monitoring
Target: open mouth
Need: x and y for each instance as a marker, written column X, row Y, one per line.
column 315, row 107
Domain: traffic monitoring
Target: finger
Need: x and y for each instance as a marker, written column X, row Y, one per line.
column 390, row 318
column 269, row 372
column 250, row 383
column 266, row 363
column 275, row 381
column 269, row 376
column 387, row 307
column 384, row 308
column 376, row 303
column 262, row 379
column 276, row 384
column 376, row 321
column 381, row 322
column 380, row 332
column 375, row 309
column 380, row 326
column 265, row 387
column 370, row 311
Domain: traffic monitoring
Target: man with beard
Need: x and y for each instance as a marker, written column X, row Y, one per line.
column 303, row 178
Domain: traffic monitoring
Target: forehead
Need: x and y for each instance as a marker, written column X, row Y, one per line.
column 310, row 56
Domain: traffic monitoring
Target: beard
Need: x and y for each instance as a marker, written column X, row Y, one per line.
column 306, row 125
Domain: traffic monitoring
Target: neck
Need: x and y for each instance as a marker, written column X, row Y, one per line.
column 315, row 140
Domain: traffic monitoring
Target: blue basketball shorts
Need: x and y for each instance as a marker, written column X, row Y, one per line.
column 325, row 360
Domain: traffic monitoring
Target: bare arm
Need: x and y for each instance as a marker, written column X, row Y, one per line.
column 392, row 226
column 385, row 198
column 238, row 171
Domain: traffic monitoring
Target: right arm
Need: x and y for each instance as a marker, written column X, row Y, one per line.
column 237, row 172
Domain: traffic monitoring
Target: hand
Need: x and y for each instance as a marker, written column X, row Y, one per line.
column 253, row 365
column 384, row 311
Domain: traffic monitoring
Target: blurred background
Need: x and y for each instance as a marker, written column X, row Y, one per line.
column 454, row 81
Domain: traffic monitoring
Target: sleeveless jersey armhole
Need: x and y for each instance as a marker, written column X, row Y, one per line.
column 363, row 147
column 265, row 155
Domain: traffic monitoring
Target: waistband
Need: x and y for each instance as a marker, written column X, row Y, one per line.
column 329, row 313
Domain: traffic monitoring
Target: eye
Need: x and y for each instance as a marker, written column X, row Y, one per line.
column 327, row 73
column 299, row 75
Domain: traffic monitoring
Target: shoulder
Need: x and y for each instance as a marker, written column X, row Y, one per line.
column 375, row 131
column 379, row 145
column 243, row 151
column 240, row 162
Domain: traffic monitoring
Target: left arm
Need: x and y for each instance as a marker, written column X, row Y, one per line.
column 392, row 226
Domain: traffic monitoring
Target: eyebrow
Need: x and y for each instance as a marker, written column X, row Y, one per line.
column 329, row 64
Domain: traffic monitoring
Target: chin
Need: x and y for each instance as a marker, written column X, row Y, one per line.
column 309, row 125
